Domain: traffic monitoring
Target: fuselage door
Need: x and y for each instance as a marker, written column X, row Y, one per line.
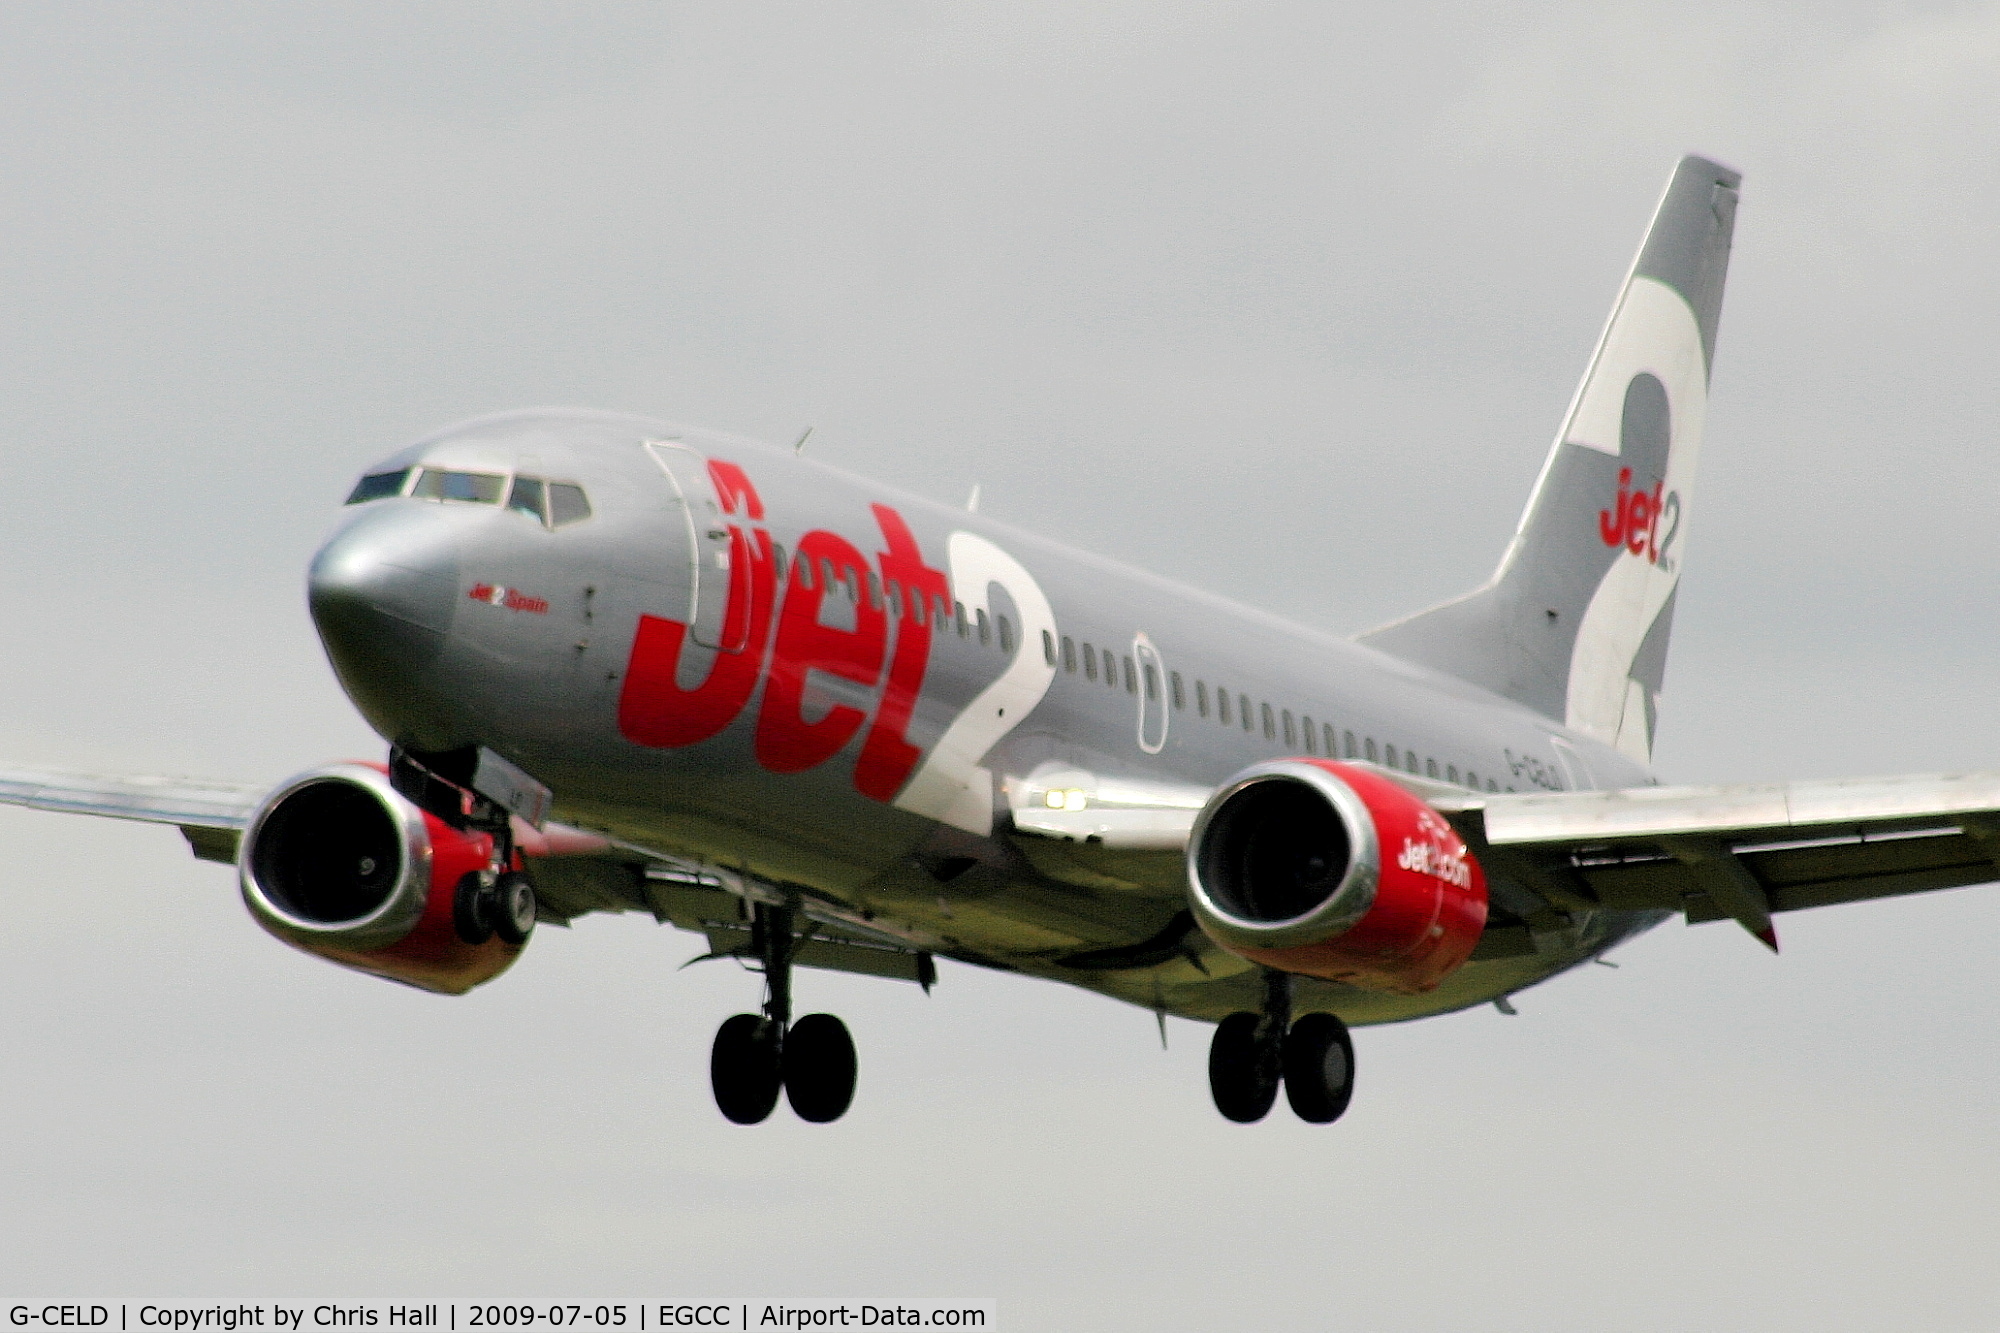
column 708, row 530
column 1152, row 695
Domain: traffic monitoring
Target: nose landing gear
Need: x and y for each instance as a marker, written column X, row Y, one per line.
column 489, row 904
column 755, row 1054
column 1251, row 1054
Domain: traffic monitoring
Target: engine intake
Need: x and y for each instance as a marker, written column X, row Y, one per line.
column 336, row 862
column 1286, row 867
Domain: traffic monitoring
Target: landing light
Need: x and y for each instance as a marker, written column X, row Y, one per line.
column 1065, row 798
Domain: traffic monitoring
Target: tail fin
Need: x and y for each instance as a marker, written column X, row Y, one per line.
column 1574, row 623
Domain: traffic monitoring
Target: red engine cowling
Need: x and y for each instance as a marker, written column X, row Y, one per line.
column 1329, row 870
column 337, row 863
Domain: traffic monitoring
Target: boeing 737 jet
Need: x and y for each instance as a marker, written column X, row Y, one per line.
column 625, row 665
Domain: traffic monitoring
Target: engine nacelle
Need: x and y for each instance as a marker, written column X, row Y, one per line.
column 1329, row 870
column 337, row 863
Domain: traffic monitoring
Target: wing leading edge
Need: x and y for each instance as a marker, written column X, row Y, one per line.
column 210, row 815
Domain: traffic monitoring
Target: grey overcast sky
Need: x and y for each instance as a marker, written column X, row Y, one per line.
column 1282, row 299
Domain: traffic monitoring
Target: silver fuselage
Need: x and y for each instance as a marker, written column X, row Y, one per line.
column 881, row 786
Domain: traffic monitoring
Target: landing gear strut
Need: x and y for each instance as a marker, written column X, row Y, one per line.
column 756, row 1054
column 1251, row 1054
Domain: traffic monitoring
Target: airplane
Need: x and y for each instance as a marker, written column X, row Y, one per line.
column 627, row 665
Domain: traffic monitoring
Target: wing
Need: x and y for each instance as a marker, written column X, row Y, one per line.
column 210, row 815
column 1740, row 852
column 574, row 874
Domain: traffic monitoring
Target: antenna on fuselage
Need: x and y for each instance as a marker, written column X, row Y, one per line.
column 803, row 437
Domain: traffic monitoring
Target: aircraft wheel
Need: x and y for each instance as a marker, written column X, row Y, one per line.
column 1242, row 1076
column 1319, row 1068
column 469, row 915
column 820, row 1067
column 743, row 1068
column 512, row 907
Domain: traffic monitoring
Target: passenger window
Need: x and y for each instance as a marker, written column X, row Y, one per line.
column 804, row 571
column 985, row 628
column 958, row 618
column 1222, row 705
column 874, row 591
column 1389, row 756
column 1369, row 748
column 480, row 488
column 1152, row 681
column 378, row 486
column 1410, row 760
column 1049, row 647
column 778, row 560
column 1291, row 738
column 940, row 613
column 1347, row 744
column 1306, row 730
column 1490, row 785
column 1451, row 774
column 528, row 498
column 1430, row 768
column 1201, row 698
column 567, row 504
column 1131, row 677
column 1089, row 662
column 1006, row 635
column 1174, row 685
column 1243, row 710
column 1069, row 654
column 1270, row 727
column 1331, row 751
column 892, row 598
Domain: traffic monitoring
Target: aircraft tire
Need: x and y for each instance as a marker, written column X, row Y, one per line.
column 512, row 907
column 469, row 916
column 1319, row 1068
column 743, row 1069
column 820, row 1068
column 1242, row 1076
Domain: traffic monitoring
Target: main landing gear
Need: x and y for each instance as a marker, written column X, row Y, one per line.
column 757, row 1054
column 1252, row 1053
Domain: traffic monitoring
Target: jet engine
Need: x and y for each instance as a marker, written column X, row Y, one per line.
column 338, row 863
column 1330, row 870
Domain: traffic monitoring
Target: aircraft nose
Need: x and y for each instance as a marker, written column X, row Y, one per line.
column 382, row 592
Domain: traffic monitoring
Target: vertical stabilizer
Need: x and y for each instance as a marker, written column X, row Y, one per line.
column 1575, row 621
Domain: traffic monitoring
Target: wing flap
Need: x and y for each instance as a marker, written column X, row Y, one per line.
column 826, row 942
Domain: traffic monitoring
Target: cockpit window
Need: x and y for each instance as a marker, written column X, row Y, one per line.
column 567, row 504
column 530, row 498
column 379, row 485
column 469, row 487
column 551, row 503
